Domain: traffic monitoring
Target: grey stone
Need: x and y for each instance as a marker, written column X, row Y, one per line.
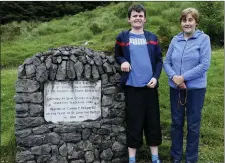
column 109, row 90
column 61, row 72
column 119, row 97
column 115, row 78
column 52, row 138
column 105, row 144
column 30, row 141
column 58, row 159
column 36, row 97
column 43, row 158
column 24, row 156
column 48, row 62
column 118, row 149
column 106, row 101
column 113, row 121
column 79, row 69
column 31, row 161
column 89, row 52
column 98, row 61
column 63, row 150
column 100, row 70
column 117, row 67
column 105, row 112
column 70, row 148
column 73, row 58
column 41, row 73
column 22, row 123
column 102, row 55
column 55, row 151
column 23, row 133
column 21, row 115
column 120, row 160
column 21, row 107
column 86, row 133
column 87, row 71
column 30, row 71
column 88, row 146
column 66, row 53
column 104, row 78
column 70, row 70
column 21, row 72
column 36, row 150
column 103, row 131
column 35, row 109
column 49, row 52
column 89, row 60
column 121, row 138
column 77, row 52
column 106, row 154
column 52, row 71
column 97, row 154
column 89, row 157
column 59, row 59
column 78, row 161
column 65, row 129
column 107, row 68
column 119, row 105
column 26, row 85
column 82, row 59
column 71, row 137
column 110, row 59
column 40, row 130
column 76, row 155
column 57, row 53
column 94, row 72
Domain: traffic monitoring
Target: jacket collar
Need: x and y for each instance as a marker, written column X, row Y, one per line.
column 180, row 36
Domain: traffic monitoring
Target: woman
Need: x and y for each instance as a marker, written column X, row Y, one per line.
column 186, row 63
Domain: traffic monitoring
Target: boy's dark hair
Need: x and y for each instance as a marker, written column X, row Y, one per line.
column 138, row 8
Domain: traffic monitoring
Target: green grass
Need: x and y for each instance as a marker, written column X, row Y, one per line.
column 212, row 139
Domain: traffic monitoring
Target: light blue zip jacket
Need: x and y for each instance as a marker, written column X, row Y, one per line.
column 189, row 58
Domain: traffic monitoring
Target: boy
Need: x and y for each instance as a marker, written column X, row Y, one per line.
column 140, row 57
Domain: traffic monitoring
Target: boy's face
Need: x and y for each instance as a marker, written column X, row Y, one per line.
column 137, row 19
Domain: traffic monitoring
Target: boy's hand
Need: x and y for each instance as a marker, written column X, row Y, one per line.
column 125, row 67
column 152, row 83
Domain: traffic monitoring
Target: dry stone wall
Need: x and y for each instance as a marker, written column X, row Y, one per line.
column 98, row 141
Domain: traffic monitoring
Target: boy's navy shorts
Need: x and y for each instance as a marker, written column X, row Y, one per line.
column 142, row 114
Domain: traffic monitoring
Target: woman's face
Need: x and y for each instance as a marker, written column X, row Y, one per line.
column 188, row 25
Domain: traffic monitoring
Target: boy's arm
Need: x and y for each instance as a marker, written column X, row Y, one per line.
column 119, row 56
column 158, row 61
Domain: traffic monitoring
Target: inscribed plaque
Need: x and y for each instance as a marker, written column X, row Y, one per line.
column 71, row 101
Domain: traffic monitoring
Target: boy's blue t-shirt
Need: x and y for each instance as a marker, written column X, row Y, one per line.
column 141, row 72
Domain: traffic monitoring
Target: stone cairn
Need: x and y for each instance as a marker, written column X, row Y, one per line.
column 99, row 141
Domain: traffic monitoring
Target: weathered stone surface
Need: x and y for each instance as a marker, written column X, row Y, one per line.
column 77, row 52
column 40, row 130
column 63, row 150
column 105, row 112
column 87, row 71
column 22, row 123
column 86, row 133
column 98, row 61
column 65, row 129
column 58, row 159
column 94, row 72
column 115, row 78
column 119, row 97
column 110, row 59
column 89, row 157
column 109, row 90
column 61, row 72
column 36, row 97
column 106, row 154
column 118, row 149
column 21, row 107
column 35, row 109
column 107, row 68
column 121, row 138
column 89, row 60
column 100, row 70
column 24, row 156
column 78, row 161
column 119, row 105
column 21, row 115
column 41, row 73
column 59, row 59
column 52, row 138
column 114, row 121
column 105, row 144
column 30, row 71
column 21, row 72
column 48, row 62
column 106, row 101
column 52, row 71
column 103, row 131
column 82, row 59
column 79, row 69
column 43, row 158
column 73, row 58
column 104, row 78
column 76, row 155
column 26, row 85
column 70, row 70
column 71, row 137
column 30, row 141
column 55, row 151
column 23, row 133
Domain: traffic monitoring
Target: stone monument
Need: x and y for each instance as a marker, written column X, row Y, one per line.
column 68, row 109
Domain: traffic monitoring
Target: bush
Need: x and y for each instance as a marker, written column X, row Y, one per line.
column 95, row 28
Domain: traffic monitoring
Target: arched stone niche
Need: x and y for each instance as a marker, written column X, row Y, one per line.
column 57, row 139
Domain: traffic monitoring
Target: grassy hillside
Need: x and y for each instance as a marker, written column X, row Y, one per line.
column 99, row 28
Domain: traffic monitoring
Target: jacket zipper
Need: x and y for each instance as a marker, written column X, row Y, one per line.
column 182, row 56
